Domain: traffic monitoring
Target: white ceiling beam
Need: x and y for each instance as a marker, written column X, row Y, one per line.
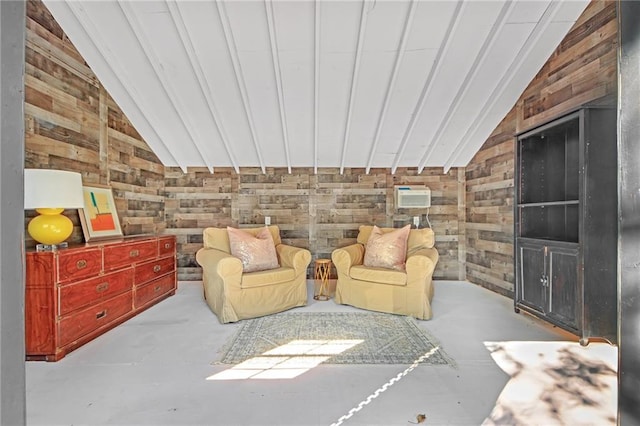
column 118, row 71
column 392, row 82
column 507, row 76
column 203, row 81
column 114, row 36
column 428, row 84
column 157, row 67
column 354, row 81
column 480, row 58
column 275, row 60
column 316, row 84
column 232, row 49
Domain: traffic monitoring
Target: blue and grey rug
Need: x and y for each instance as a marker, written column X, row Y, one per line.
column 381, row 338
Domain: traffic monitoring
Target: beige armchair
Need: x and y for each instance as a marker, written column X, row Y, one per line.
column 234, row 295
column 407, row 292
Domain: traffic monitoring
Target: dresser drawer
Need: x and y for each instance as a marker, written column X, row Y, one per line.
column 73, row 265
column 84, row 322
column 84, row 293
column 148, row 292
column 126, row 254
column 166, row 246
column 154, row 269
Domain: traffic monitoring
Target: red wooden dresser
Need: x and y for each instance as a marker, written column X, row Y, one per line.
column 76, row 294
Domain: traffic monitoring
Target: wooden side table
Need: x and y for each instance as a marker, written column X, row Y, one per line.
column 322, row 271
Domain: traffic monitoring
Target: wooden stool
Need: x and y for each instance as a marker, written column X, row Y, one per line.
column 321, row 273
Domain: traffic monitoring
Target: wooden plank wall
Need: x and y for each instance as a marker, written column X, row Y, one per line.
column 193, row 201
column 445, row 216
column 134, row 173
column 62, row 103
column 489, row 210
column 316, row 211
column 72, row 124
column 582, row 69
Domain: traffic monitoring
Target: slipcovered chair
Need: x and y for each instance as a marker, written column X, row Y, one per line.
column 232, row 292
column 397, row 288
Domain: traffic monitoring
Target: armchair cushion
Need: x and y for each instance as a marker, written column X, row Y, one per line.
column 378, row 275
column 387, row 249
column 418, row 238
column 257, row 253
column 267, row 278
column 218, row 238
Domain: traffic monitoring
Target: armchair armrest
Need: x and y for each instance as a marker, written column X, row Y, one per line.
column 421, row 263
column 344, row 258
column 294, row 257
column 220, row 264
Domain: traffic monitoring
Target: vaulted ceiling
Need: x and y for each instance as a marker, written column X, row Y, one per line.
column 305, row 83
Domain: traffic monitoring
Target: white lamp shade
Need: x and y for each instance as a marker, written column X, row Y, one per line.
column 44, row 188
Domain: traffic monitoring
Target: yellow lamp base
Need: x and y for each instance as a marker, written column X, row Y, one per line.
column 50, row 227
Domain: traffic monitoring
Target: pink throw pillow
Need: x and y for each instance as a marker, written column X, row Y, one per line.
column 387, row 250
column 256, row 253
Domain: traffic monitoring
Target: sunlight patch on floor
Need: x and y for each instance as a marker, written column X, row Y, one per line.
column 287, row 361
column 556, row 383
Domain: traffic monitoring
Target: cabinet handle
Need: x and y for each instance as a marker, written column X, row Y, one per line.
column 102, row 287
column 157, row 289
column 157, row 268
column 102, row 314
column 81, row 264
column 167, row 245
column 134, row 253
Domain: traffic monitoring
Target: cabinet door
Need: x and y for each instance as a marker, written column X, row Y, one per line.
column 563, row 281
column 532, row 283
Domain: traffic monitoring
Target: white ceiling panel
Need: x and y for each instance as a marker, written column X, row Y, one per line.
column 373, row 84
column 536, row 49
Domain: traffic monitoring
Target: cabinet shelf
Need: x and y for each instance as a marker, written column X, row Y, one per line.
column 541, row 241
column 549, row 162
column 550, row 203
column 550, row 221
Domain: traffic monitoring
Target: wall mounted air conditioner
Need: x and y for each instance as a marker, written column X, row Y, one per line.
column 412, row 197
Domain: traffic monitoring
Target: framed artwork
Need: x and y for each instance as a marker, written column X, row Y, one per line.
column 99, row 217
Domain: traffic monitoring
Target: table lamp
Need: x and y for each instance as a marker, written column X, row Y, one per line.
column 49, row 192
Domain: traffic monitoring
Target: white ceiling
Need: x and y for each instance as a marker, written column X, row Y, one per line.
column 315, row 83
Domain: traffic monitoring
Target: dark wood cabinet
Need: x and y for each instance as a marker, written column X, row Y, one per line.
column 566, row 222
column 76, row 294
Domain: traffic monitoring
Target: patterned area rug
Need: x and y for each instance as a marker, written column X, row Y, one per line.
column 379, row 338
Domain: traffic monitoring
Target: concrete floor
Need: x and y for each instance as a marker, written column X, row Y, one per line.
column 152, row 370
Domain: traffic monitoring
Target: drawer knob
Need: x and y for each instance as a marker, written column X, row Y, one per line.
column 101, row 315
column 157, row 268
column 134, row 253
column 102, row 287
column 167, row 245
column 157, row 289
column 81, row 264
